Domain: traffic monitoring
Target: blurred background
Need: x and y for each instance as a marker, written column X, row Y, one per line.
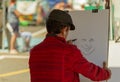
column 35, row 13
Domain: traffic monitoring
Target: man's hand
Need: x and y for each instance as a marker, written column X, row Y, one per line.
column 71, row 41
column 106, row 68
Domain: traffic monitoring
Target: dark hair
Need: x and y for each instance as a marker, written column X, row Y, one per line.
column 54, row 26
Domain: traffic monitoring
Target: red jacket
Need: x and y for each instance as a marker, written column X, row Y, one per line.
column 54, row 60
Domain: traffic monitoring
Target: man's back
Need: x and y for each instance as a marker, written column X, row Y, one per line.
column 47, row 61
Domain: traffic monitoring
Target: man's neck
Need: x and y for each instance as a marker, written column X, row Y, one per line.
column 61, row 35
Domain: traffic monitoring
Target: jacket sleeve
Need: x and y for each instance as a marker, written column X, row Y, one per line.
column 81, row 65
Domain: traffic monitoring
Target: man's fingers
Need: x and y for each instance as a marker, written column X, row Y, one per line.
column 104, row 64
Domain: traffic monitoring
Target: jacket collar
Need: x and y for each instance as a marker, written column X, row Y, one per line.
column 55, row 36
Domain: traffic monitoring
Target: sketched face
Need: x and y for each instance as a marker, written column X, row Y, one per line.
column 87, row 46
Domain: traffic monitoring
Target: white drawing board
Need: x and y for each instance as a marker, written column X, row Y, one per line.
column 91, row 33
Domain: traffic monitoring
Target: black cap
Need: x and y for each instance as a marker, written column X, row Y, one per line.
column 61, row 16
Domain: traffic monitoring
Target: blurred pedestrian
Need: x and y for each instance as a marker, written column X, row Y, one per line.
column 55, row 60
column 60, row 5
column 26, row 36
column 57, row 4
column 13, row 22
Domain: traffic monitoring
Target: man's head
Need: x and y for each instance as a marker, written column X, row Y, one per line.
column 59, row 20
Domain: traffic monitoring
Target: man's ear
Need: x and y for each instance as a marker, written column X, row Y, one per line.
column 64, row 30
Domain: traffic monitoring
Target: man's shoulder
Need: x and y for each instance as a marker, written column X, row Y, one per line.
column 35, row 48
column 71, row 47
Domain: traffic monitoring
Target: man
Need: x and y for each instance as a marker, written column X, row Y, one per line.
column 55, row 60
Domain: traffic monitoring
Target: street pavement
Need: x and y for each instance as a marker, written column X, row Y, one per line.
column 14, row 70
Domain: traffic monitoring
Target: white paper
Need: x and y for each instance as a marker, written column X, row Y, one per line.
column 92, row 35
